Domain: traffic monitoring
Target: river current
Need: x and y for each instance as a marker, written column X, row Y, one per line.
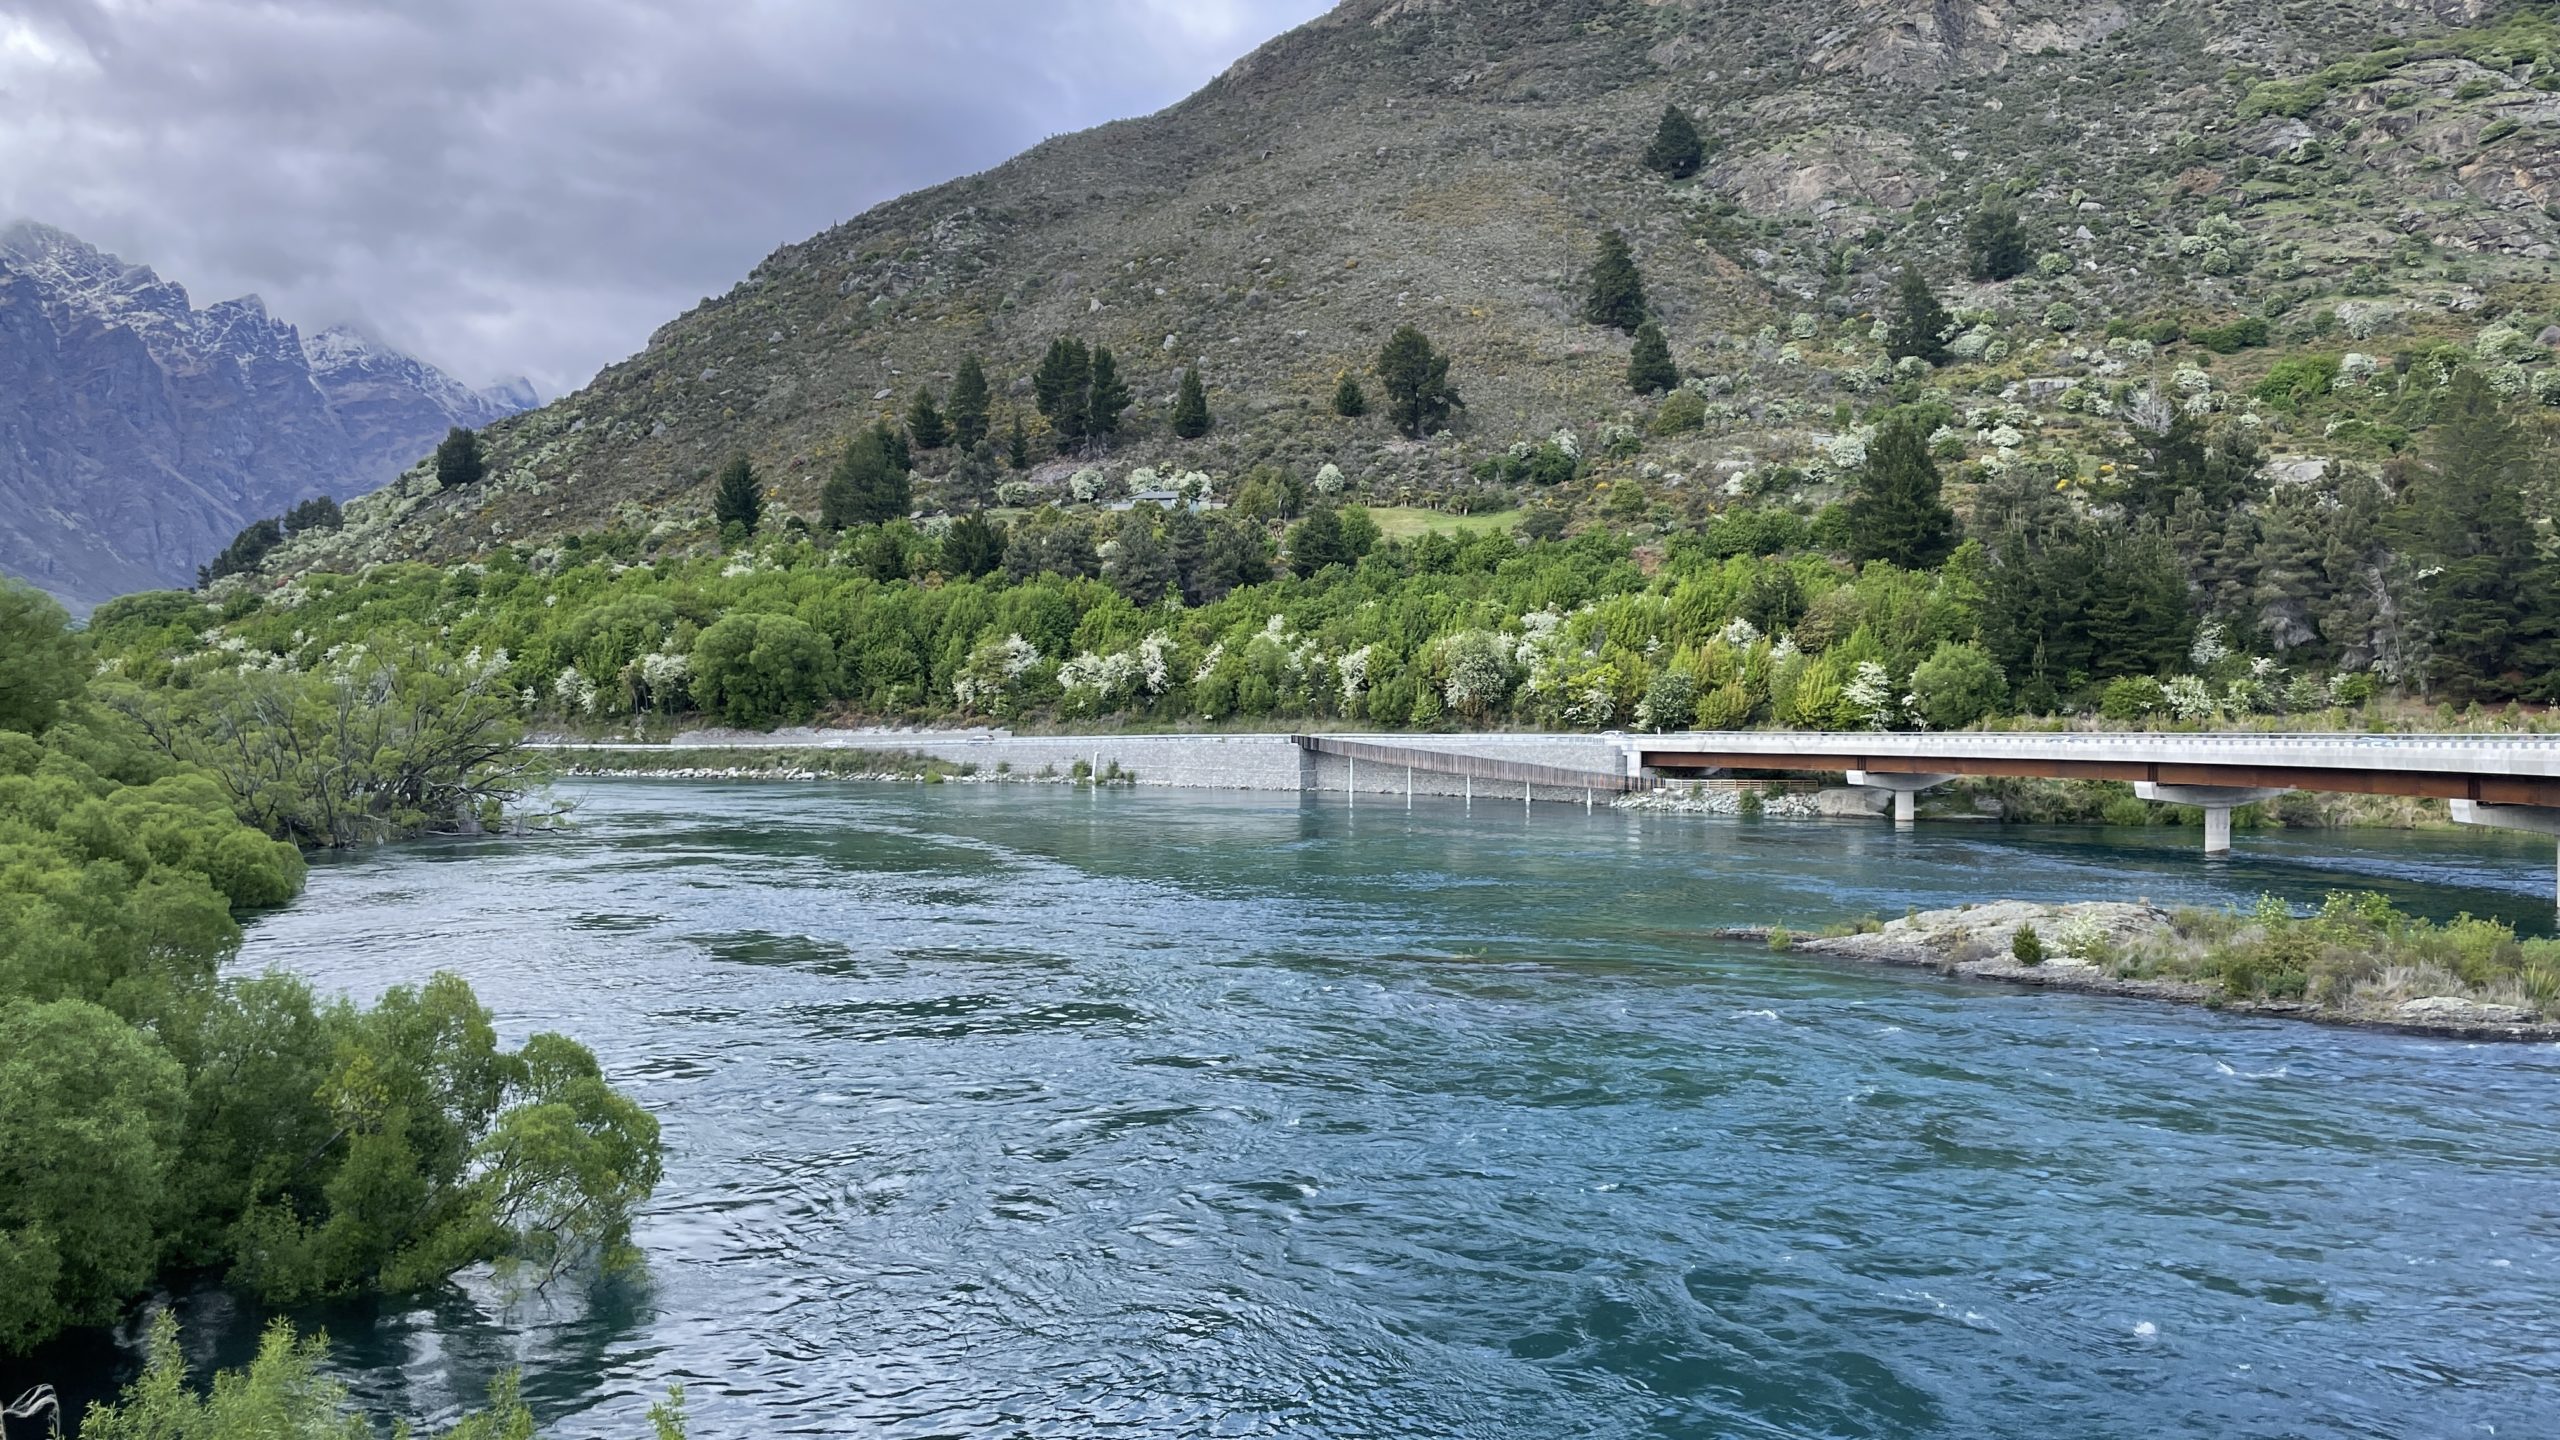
column 1023, row 1112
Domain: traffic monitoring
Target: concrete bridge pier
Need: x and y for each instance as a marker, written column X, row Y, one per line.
column 2217, row 802
column 2532, row 819
column 1906, row 790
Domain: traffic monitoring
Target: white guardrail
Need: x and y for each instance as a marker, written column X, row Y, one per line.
column 2524, row 755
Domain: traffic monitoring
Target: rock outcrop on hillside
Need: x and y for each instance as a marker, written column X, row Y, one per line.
column 139, row 433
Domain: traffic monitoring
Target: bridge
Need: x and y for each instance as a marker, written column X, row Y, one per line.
column 2509, row 782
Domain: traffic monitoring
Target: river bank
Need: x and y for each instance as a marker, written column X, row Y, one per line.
column 2354, row 963
column 1274, row 762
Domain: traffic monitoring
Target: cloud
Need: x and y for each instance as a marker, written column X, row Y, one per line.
column 532, row 186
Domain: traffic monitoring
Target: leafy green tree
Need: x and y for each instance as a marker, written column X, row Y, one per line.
column 1995, row 242
column 1920, row 324
column 969, row 404
column 1017, row 445
column 84, row 1150
column 974, row 546
column 737, row 497
column 1063, row 389
column 1419, row 395
column 1958, row 685
column 1649, row 368
column 1108, row 398
column 925, row 425
column 758, row 671
column 1191, row 407
column 458, row 459
column 394, row 741
column 1899, row 514
column 865, row 488
column 1676, row 151
column 1349, row 400
column 44, row 664
column 1613, row 294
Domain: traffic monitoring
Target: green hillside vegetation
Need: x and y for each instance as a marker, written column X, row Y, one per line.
column 2178, row 584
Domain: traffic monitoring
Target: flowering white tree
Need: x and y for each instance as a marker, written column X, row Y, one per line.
column 1870, row 694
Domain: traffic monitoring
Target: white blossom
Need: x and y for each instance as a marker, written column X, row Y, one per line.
column 1870, row 693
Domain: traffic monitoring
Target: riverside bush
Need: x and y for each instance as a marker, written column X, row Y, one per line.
column 161, row 1118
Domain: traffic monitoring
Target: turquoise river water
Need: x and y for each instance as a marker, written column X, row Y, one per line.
column 1025, row 1112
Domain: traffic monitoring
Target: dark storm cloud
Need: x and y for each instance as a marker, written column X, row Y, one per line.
column 533, row 185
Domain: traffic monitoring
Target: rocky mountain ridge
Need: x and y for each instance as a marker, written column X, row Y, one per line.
column 2373, row 178
column 138, row 432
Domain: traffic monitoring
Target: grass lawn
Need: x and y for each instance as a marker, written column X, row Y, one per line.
column 1404, row 522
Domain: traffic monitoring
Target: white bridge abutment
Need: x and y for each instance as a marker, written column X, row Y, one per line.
column 2532, row 819
column 2217, row 802
column 1906, row 790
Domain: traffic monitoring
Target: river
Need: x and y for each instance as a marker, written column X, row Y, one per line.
column 1018, row 1111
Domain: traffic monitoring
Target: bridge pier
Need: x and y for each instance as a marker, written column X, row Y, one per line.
column 1906, row 790
column 2532, row 819
column 2217, row 801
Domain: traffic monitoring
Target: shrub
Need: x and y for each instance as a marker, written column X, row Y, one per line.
column 1958, row 685
column 2247, row 333
column 1681, row 412
column 2027, row 947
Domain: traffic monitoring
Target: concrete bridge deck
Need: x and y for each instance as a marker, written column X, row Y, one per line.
column 2506, row 781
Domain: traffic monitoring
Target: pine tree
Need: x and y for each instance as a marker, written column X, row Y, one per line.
column 1898, row 513
column 1191, row 407
column 1676, row 151
column 1995, row 244
column 1017, row 444
column 973, row 478
column 866, row 487
column 974, row 546
column 1109, row 396
column 1615, row 293
column 1920, row 324
column 1142, row 570
column 1649, row 369
column 736, row 497
column 458, row 459
column 1063, row 389
column 925, row 425
column 968, row 409
column 2489, row 596
column 1419, row 395
column 893, row 446
column 1186, row 540
column 1317, row 542
column 1349, row 400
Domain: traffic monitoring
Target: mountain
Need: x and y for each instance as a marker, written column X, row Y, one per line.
column 138, row 433
column 2206, row 189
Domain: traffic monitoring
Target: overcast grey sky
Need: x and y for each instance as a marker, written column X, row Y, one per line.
column 532, row 186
